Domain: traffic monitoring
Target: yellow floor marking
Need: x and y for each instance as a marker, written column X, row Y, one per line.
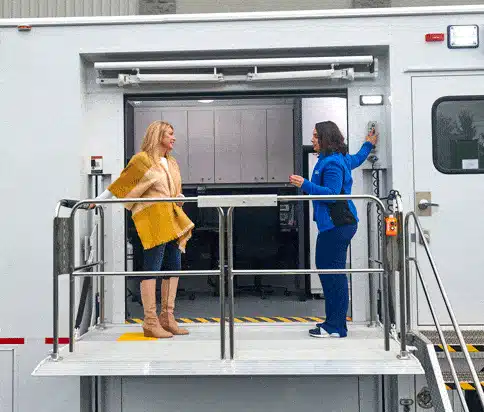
column 268, row 320
column 251, row 319
column 186, row 320
column 132, row 337
column 466, row 386
column 285, row 320
column 316, row 319
column 237, row 320
column 472, row 348
column 202, row 320
column 300, row 319
column 216, row 319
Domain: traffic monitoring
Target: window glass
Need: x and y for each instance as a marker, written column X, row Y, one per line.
column 458, row 134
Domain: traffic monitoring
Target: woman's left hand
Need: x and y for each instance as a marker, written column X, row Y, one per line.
column 296, row 180
column 180, row 204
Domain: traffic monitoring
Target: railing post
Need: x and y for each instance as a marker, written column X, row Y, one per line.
column 407, row 270
column 221, row 254
column 371, row 276
column 72, row 288
column 230, row 277
column 402, row 285
column 102, row 307
column 55, row 281
column 386, row 292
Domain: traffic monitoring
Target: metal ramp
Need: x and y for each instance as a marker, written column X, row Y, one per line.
column 265, row 349
column 285, row 349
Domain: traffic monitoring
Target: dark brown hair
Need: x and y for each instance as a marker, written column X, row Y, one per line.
column 330, row 138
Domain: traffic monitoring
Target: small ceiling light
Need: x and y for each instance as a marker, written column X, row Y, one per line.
column 371, row 100
column 463, row 37
column 205, row 101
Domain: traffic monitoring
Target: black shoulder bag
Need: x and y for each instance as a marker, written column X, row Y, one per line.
column 339, row 211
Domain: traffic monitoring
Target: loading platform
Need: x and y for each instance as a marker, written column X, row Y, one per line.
column 261, row 349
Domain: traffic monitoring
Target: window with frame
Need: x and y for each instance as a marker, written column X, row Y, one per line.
column 458, row 134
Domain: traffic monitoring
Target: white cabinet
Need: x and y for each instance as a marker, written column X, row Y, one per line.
column 253, row 146
column 280, row 145
column 201, row 146
column 227, row 146
column 142, row 119
column 179, row 120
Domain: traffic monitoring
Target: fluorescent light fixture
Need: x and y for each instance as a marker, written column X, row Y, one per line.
column 205, row 101
column 371, row 100
column 463, row 36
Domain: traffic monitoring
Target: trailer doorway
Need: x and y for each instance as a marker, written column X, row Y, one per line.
column 239, row 144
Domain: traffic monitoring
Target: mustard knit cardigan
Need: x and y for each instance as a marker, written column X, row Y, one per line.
column 156, row 223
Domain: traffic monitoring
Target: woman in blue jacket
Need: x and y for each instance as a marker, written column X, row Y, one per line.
column 337, row 221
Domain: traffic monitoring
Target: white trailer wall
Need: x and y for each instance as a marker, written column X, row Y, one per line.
column 53, row 123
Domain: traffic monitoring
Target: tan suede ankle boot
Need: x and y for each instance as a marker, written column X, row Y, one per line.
column 168, row 295
column 151, row 324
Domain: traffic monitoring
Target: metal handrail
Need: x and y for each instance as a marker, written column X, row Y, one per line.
column 77, row 271
column 453, row 318
column 231, row 272
column 441, row 334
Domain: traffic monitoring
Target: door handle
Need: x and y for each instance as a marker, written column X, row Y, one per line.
column 425, row 204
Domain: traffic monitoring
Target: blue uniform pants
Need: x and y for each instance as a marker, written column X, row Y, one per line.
column 331, row 249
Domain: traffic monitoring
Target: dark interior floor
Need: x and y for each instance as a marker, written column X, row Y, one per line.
column 206, row 305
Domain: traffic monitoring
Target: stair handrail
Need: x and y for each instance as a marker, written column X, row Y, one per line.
column 448, row 306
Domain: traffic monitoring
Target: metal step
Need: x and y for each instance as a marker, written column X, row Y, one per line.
column 465, row 380
column 474, row 341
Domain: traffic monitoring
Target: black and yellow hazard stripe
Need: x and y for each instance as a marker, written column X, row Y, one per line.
column 466, row 386
column 458, row 348
column 246, row 319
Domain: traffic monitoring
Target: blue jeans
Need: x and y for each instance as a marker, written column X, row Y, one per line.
column 166, row 256
column 331, row 248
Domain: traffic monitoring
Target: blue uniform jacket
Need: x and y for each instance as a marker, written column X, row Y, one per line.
column 331, row 174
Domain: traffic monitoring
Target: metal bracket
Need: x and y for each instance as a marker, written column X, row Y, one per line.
column 419, row 196
column 238, row 201
column 420, row 240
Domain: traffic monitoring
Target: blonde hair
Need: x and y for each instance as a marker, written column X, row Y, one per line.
column 153, row 137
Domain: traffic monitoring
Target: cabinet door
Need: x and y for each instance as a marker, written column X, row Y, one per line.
column 227, row 146
column 201, row 146
column 178, row 118
column 280, row 148
column 142, row 119
column 253, row 146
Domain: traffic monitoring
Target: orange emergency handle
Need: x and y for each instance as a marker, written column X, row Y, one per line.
column 391, row 227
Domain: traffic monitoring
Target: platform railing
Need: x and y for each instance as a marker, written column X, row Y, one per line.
column 232, row 272
column 64, row 257
column 456, row 327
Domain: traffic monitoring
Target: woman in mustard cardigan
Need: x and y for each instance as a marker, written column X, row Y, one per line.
column 163, row 227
